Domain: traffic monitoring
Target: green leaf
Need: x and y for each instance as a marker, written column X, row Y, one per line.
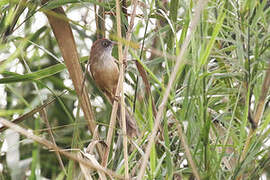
column 210, row 45
column 41, row 74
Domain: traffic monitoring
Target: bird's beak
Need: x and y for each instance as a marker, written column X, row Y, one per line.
column 114, row 43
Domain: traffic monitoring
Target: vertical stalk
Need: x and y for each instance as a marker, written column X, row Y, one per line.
column 121, row 79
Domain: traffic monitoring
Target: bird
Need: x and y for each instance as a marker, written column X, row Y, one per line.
column 105, row 73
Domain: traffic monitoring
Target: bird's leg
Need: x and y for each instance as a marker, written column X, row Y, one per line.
column 124, row 62
column 116, row 98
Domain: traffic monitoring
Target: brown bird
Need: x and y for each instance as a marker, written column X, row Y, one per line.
column 105, row 72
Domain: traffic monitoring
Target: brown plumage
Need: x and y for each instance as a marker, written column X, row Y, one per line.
column 105, row 72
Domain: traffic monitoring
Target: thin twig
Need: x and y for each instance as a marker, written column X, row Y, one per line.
column 199, row 7
column 31, row 113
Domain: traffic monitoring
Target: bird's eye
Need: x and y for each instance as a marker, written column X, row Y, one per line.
column 105, row 43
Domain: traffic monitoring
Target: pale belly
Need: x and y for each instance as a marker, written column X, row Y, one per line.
column 105, row 75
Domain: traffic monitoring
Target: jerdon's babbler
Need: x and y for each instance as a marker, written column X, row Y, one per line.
column 105, row 72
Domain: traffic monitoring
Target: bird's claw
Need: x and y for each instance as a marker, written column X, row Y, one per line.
column 116, row 98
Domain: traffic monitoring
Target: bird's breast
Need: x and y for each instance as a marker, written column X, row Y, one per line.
column 105, row 73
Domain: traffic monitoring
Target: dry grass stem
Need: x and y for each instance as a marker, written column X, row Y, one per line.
column 130, row 27
column 111, row 128
column 121, row 81
column 85, row 171
column 91, row 158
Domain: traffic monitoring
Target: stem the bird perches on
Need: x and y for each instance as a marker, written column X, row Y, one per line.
column 121, row 81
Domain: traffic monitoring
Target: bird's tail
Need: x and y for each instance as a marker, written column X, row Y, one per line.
column 131, row 125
